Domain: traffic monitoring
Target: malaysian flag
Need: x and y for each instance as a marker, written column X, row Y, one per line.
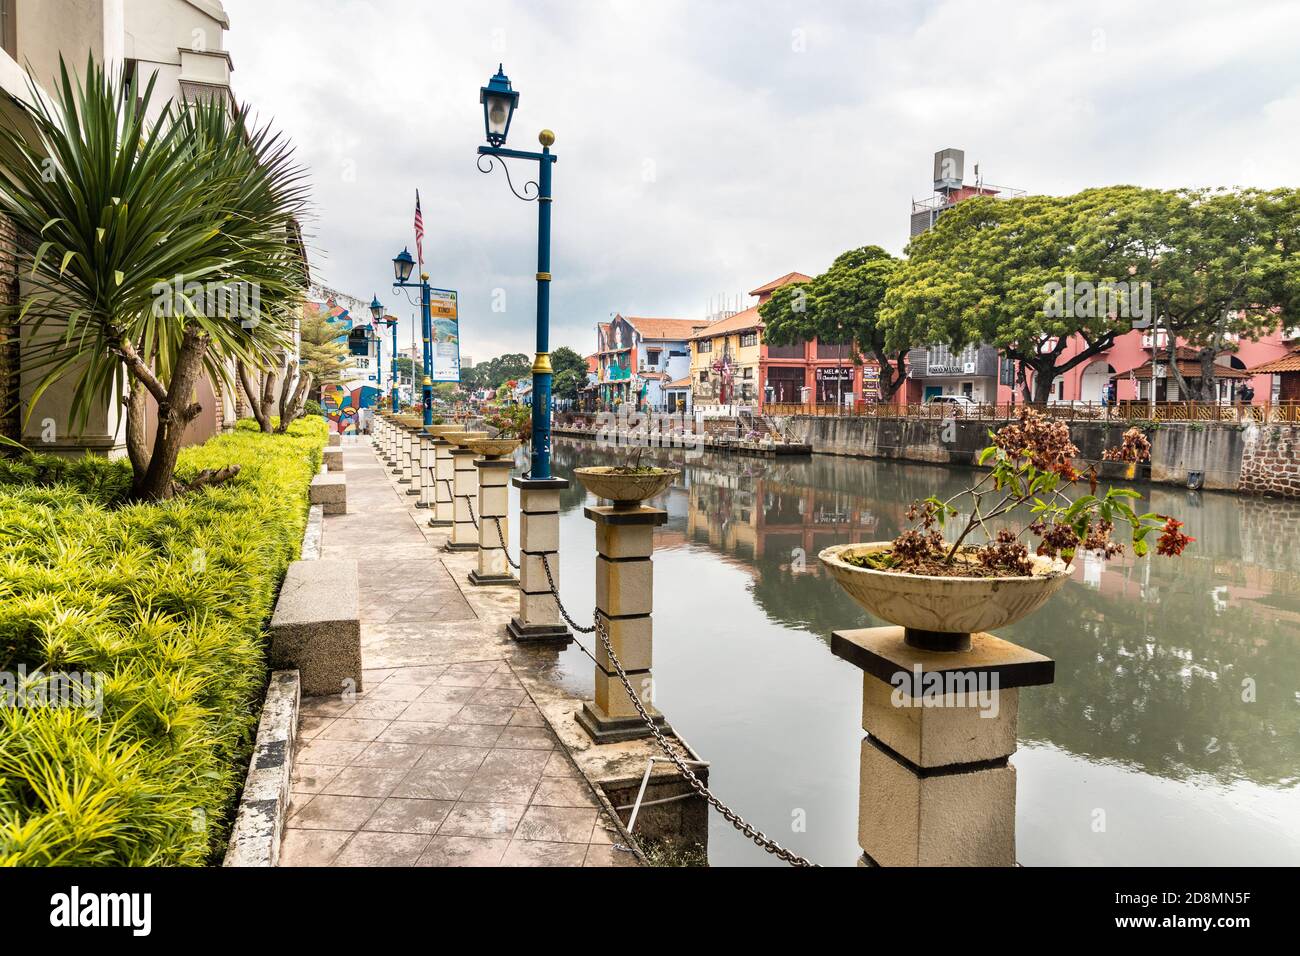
column 419, row 231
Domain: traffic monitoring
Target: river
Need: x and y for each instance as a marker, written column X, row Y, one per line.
column 1172, row 732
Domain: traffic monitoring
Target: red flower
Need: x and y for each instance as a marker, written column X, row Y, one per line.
column 1172, row 541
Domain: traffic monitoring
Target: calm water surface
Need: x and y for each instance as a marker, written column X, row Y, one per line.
column 1171, row 735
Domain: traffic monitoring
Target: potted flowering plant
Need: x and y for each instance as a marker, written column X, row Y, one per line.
column 626, row 486
column 941, row 590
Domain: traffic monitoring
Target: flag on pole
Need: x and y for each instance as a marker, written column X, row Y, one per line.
column 419, row 231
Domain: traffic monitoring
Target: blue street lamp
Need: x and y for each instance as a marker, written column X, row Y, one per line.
column 377, row 313
column 499, row 101
column 403, row 266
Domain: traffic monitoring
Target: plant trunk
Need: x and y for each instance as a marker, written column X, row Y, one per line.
column 292, row 410
column 255, row 393
column 1044, row 379
column 137, row 445
column 174, row 415
column 1209, row 393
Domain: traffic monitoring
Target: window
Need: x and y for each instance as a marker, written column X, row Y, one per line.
column 784, row 385
column 749, row 372
column 795, row 351
column 748, row 339
column 706, row 345
column 9, row 27
column 834, row 350
column 652, row 356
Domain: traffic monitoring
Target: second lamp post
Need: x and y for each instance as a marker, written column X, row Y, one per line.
column 403, row 266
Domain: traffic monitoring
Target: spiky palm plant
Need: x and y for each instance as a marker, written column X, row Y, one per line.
column 137, row 223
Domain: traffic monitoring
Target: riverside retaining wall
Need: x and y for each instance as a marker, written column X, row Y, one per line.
column 1253, row 459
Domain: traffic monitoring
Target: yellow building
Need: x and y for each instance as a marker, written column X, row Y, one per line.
column 725, row 362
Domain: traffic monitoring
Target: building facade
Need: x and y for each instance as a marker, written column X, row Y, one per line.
column 181, row 43
column 636, row 358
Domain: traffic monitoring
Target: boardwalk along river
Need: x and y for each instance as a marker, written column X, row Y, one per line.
column 1171, row 735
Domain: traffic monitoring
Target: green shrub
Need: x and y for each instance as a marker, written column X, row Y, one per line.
column 312, row 408
column 169, row 602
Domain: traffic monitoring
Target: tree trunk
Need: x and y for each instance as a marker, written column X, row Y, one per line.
column 137, row 413
column 291, row 411
column 174, row 414
column 255, row 393
column 1044, row 379
column 1209, row 392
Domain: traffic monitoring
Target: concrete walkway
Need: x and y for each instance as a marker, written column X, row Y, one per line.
column 458, row 752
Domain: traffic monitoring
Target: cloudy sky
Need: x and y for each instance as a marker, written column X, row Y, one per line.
column 706, row 147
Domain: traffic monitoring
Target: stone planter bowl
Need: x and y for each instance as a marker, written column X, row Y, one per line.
column 625, row 491
column 494, row 447
column 463, row 438
column 930, row 608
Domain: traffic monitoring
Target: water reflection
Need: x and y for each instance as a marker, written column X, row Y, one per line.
column 1185, row 670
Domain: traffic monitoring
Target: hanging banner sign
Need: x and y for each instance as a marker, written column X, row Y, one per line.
column 446, row 335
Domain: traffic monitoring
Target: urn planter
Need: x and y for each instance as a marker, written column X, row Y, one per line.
column 941, row 613
column 623, row 489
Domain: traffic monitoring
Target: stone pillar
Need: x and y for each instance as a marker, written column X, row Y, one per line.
column 413, row 458
column 443, row 476
column 424, row 473
column 493, row 506
column 464, row 536
column 936, row 787
column 624, row 602
column 539, row 539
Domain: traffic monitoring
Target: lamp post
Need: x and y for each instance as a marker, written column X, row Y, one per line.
column 377, row 313
column 403, row 266
column 539, row 492
column 499, row 101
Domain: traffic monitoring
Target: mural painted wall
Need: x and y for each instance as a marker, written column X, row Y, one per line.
column 343, row 405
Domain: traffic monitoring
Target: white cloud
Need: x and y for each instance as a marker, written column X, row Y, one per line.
column 707, row 147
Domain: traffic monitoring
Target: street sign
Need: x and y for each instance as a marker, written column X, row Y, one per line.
column 443, row 308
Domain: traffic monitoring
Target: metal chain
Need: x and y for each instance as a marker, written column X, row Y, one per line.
column 731, row 816
column 470, row 505
column 505, row 549
column 555, row 592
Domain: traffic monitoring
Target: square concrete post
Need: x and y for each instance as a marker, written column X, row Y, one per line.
column 411, row 461
column 390, row 444
column 424, row 445
column 935, row 786
column 443, row 476
column 624, row 602
column 493, row 529
column 539, row 540
column 464, row 536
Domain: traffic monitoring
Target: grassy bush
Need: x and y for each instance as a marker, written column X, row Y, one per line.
column 169, row 602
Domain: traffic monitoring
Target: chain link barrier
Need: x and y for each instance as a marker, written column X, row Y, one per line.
column 731, row 816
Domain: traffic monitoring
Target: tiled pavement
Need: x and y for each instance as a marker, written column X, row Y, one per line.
column 442, row 759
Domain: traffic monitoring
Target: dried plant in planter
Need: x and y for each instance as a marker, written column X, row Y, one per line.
column 1032, row 467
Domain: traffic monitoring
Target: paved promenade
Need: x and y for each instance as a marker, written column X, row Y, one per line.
column 458, row 751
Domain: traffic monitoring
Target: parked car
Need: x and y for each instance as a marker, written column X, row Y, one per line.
column 954, row 404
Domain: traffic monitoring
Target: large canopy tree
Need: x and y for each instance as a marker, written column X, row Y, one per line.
column 139, row 226
column 1223, row 265
column 842, row 305
column 997, row 272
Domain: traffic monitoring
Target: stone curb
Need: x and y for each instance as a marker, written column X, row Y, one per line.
column 312, row 534
column 264, row 804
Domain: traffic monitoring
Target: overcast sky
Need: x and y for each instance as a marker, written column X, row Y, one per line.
column 707, row 147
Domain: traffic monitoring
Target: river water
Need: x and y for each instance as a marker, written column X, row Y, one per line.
column 1171, row 734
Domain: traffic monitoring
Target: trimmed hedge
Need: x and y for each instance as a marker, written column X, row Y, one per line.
column 169, row 601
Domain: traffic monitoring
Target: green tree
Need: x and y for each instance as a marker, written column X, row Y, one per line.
column 990, row 271
column 1222, row 265
column 842, row 305
column 137, row 224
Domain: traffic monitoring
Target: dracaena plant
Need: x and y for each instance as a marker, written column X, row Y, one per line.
column 130, row 216
column 1031, row 472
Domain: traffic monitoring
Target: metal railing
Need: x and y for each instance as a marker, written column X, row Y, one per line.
column 1126, row 411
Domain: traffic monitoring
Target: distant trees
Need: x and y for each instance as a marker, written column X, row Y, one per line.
column 1033, row 275
column 842, row 305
